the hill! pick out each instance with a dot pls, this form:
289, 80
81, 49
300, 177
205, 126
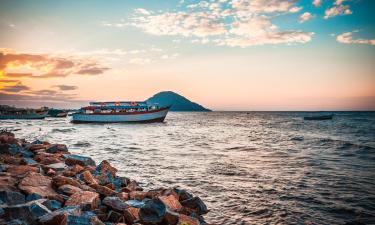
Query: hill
178, 102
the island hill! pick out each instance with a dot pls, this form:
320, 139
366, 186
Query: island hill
178, 102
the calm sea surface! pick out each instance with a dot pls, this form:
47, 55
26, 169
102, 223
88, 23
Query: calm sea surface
249, 168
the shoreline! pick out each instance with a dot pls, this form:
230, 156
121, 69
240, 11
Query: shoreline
43, 183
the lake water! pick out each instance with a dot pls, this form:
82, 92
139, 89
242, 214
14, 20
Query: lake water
249, 168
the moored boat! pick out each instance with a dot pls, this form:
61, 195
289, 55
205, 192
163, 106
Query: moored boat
9, 113
57, 113
120, 112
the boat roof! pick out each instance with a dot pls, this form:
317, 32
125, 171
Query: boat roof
119, 103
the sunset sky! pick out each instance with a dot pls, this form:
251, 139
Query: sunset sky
224, 54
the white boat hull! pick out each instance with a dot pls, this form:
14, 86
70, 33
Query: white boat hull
143, 117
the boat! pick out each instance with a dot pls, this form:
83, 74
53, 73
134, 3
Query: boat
120, 112
12, 113
319, 117
57, 113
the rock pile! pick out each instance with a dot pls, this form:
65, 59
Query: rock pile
42, 183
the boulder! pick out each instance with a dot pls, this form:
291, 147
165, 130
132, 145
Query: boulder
105, 167
137, 195
58, 181
135, 203
171, 202
123, 196
47, 158
34, 147
29, 161
195, 203
7, 183
183, 194
12, 197
60, 216
133, 186
60, 166
28, 212
33, 197
87, 177
71, 160
56, 148
68, 189
22, 170
131, 214
103, 191
52, 205
152, 212
105, 178
171, 217
12, 160
87, 200
115, 217
184, 220
38, 184
115, 203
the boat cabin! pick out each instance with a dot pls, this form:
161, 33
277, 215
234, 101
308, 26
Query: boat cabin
118, 107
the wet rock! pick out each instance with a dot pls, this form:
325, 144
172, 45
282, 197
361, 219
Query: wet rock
115, 217
21, 171
105, 167
52, 205
115, 203
133, 186
47, 158
56, 148
105, 178
29, 161
87, 177
61, 180
12, 197
34, 147
33, 197
195, 203
12, 160
16, 222
184, 219
7, 183
11, 149
38, 184
68, 189
103, 191
183, 194
60, 216
135, 203
137, 195
123, 196
171, 202
28, 212
152, 212
51, 172
171, 217
87, 200
60, 166
131, 215
77, 159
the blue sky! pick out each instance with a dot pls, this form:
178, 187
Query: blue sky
268, 54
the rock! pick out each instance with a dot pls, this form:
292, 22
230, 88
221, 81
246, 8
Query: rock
131, 215
33, 197
133, 186
7, 183
123, 196
47, 158
29, 161
115, 203
13, 160
28, 212
87, 177
115, 217
187, 220
16, 222
87, 200
21, 171
77, 159
152, 212
68, 189
171, 217
137, 195
171, 202
183, 194
51, 172
104, 191
56, 148
60, 166
12, 197
34, 147
135, 203
11, 149
38, 184
60, 216
105, 178
197, 204
61, 180
105, 167
52, 205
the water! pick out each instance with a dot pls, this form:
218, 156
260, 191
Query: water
249, 168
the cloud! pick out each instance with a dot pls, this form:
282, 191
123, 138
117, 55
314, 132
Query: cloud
139, 61
34, 65
347, 38
18, 87
305, 17
337, 9
317, 3
233, 23
142, 11
63, 87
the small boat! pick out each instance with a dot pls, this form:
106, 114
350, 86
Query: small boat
120, 112
57, 113
319, 117
12, 113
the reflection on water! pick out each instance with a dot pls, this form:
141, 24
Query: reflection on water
250, 168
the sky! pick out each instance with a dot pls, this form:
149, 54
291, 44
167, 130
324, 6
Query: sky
223, 54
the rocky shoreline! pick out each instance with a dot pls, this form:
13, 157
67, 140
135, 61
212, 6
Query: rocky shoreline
42, 183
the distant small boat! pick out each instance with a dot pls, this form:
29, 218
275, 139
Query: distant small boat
120, 112
319, 117
12, 113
